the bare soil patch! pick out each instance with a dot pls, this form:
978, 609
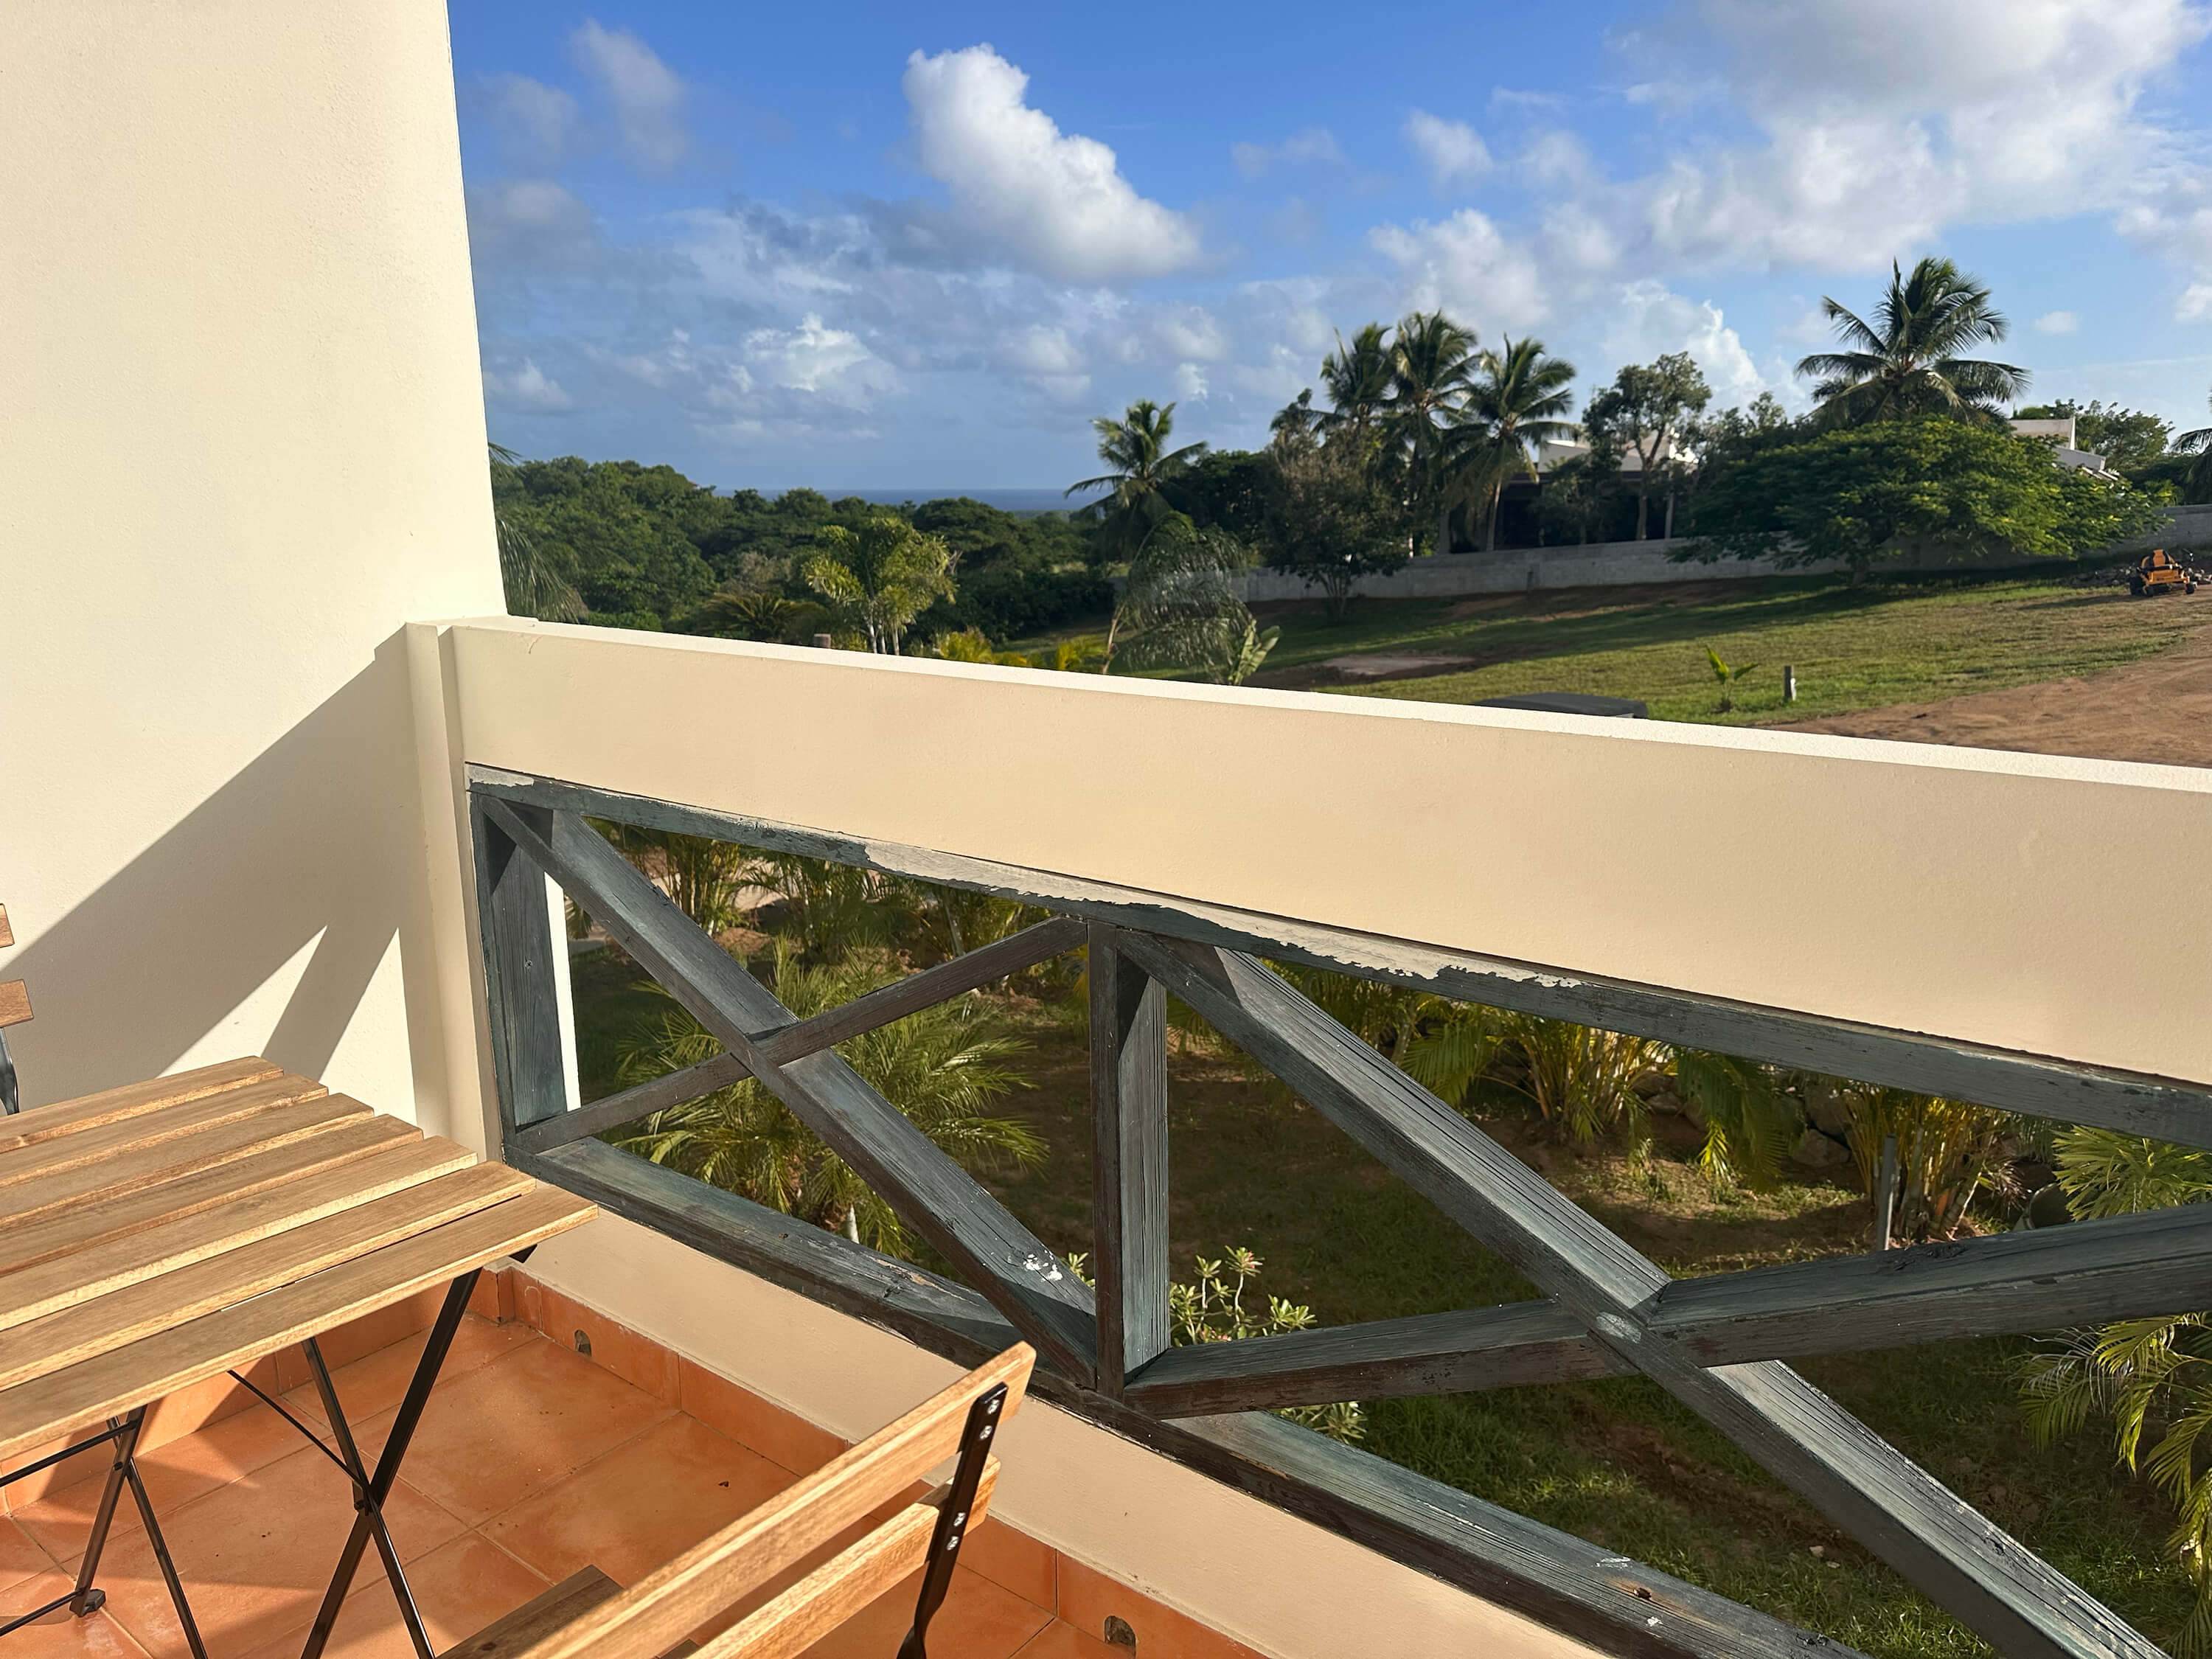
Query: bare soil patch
2159, 710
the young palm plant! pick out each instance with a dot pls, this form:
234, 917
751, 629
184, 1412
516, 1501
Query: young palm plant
1908, 360
945, 1067
2151, 1378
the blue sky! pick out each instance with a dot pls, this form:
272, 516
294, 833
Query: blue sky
859, 245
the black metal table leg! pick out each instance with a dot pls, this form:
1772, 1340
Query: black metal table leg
370, 1491
952, 1517
84, 1597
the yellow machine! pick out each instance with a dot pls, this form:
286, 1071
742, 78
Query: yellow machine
2157, 573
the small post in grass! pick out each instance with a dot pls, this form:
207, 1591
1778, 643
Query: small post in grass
1789, 684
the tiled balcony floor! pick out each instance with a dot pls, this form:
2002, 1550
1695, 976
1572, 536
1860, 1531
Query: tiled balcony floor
530, 1462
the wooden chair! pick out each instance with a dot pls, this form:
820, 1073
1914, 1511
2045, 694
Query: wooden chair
585, 1617
14, 1009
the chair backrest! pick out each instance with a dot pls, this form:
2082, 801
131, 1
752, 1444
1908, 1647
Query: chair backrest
661, 1610
14, 1009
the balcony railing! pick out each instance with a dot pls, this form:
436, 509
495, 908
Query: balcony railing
1717, 1344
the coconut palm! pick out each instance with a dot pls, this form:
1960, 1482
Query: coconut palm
1357, 378
944, 1067
1908, 360
1431, 361
534, 584
2199, 444
1181, 610
1515, 398
1136, 449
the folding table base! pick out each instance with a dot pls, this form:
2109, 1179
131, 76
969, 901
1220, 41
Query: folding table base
84, 1600
370, 1491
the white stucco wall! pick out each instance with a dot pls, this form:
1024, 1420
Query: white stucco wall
243, 444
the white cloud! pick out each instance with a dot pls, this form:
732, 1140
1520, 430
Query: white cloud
1465, 264
2195, 304
535, 125
1190, 383
1452, 151
1647, 318
831, 362
526, 389
530, 223
2058, 322
1313, 144
1056, 202
645, 95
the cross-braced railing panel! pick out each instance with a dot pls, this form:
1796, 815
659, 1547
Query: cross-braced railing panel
1716, 1343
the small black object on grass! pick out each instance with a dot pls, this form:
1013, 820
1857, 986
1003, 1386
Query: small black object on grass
1573, 703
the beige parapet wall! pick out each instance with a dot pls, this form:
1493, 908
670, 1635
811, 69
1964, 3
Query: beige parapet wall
2025, 902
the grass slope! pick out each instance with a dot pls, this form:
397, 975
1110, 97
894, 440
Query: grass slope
1862, 648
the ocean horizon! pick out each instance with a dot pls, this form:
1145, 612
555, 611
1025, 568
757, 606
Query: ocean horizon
1006, 501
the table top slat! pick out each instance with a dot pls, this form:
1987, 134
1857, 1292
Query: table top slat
96, 1221
148, 1253
36, 1413
69, 1151
145, 1308
131, 1100
29, 1202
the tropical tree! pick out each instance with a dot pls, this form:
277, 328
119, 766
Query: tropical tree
1141, 465
1181, 612
945, 1067
880, 577
2150, 1378
1908, 490
1517, 397
2199, 444
2128, 439
1644, 413
1908, 360
529, 573
1432, 362
1357, 379
1331, 520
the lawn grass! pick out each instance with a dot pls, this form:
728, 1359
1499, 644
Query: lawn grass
1908, 640
1619, 1462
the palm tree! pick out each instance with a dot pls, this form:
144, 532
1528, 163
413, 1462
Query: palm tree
2199, 444
1907, 362
534, 584
1357, 378
945, 1067
1136, 449
1431, 361
1515, 398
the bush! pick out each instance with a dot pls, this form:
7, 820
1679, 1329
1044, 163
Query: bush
1009, 600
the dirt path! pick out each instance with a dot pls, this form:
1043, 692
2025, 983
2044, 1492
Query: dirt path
2159, 710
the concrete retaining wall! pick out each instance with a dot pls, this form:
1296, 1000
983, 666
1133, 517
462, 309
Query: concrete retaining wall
1616, 564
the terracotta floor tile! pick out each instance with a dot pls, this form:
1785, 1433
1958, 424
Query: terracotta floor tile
378, 1382
779, 1435
1087, 1596
459, 1588
978, 1620
61, 1634
255, 1555
21, 1557
639, 1505
1014, 1561
511, 1428
1059, 1641
175, 1475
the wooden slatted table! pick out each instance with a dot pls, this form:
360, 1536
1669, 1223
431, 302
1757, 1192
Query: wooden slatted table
171, 1230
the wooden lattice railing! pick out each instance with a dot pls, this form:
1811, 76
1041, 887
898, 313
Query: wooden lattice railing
1717, 1344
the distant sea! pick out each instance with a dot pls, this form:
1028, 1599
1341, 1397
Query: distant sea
1006, 501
